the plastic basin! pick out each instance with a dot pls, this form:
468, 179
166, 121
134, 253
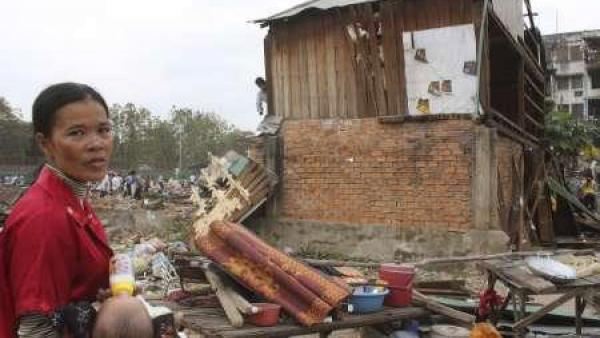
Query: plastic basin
366, 299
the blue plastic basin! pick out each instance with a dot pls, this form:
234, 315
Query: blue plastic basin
366, 299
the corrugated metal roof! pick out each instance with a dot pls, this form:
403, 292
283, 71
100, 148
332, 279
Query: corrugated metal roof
313, 4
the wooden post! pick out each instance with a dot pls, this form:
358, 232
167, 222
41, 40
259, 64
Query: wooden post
580, 304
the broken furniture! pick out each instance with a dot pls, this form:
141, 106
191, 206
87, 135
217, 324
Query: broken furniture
523, 283
238, 186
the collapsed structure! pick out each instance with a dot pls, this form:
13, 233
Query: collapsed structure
393, 142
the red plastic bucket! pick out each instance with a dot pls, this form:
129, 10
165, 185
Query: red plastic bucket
268, 314
398, 297
399, 279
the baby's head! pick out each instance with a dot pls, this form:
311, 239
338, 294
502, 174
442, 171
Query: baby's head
123, 317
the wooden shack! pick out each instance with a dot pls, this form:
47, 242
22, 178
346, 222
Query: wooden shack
394, 137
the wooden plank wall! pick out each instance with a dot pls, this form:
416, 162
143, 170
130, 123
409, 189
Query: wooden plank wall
317, 70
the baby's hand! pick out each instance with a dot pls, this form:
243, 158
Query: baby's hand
103, 294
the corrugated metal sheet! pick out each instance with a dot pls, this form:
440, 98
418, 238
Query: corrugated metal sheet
313, 4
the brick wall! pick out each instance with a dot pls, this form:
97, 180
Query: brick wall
413, 174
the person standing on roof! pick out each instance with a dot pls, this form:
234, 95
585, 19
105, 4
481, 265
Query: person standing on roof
270, 123
261, 96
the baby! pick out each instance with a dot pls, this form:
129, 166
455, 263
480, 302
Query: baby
132, 317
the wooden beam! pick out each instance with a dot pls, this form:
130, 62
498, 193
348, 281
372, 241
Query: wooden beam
512, 134
534, 104
446, 260
530, 13
523, 323
531, 64
536, 123
534, 85
516, 128
225, 296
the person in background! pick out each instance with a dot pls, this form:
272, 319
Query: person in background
105, 186
135, 185
261, 96
587, 193
54, 254
117, 181
270, 124
128, 184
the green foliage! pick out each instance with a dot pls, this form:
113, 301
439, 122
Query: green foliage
16, 141
570, 137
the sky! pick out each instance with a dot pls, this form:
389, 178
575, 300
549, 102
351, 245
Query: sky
202, 54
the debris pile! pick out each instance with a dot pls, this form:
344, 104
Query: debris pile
234, 187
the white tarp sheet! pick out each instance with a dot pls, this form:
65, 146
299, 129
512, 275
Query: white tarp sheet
440, 67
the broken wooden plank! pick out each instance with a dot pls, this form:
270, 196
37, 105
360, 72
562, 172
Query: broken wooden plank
226, 297
450, 259
524, 277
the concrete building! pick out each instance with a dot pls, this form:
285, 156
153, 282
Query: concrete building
574, 65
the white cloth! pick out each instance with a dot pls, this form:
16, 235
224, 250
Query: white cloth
269, 125
105, 184
261, 102
116, 182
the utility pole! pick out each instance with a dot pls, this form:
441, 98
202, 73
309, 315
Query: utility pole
180, 149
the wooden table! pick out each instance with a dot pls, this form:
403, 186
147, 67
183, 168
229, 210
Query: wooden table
522, 284
211, 322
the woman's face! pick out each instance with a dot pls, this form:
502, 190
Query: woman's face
80, 143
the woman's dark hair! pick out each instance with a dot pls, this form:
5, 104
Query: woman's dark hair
57, 96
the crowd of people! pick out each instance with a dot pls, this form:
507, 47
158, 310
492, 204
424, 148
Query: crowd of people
134, 185
13, 180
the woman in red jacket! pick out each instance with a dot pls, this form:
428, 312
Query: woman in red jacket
53, 250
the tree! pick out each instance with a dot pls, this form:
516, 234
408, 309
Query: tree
16, 137
140, 139
570, 137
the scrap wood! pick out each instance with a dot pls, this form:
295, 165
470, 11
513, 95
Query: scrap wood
347, 271
226, 297
443, 287
248, 186
439, 308
545, 310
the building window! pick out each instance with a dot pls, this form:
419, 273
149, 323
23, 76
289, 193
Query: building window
562, 53
562, 83
595, 77
577, 82
576, 53
578, 93
577, 110
562, 107
594, 108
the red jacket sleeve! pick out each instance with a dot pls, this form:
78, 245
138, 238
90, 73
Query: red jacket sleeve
43, 252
